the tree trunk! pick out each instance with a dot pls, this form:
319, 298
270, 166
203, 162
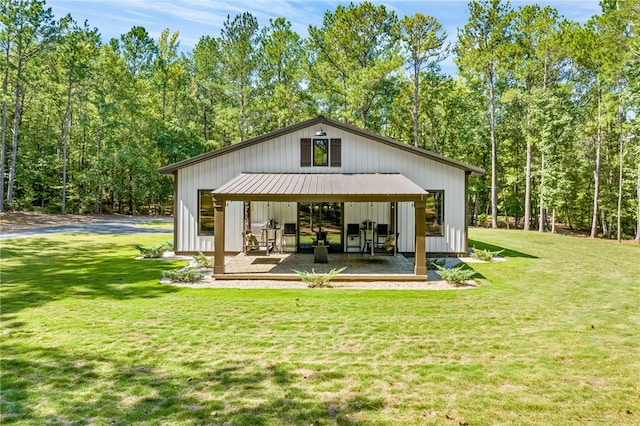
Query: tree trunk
606, 232
596, 172
541, 213
619, 231
638, 208
3, 153
416, 88
527, 184
494, 153
14, 143
553, 221
66, 129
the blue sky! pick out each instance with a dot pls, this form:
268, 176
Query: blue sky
196, 18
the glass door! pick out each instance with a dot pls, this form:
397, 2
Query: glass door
320, 220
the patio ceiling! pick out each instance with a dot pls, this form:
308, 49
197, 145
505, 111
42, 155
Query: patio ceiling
307, 187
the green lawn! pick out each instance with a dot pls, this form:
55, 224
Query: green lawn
89, 336
156, 224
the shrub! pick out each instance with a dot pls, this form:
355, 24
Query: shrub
457, 275
154, 252
203, 261
485, 255
184, 275
318, 280
434, 263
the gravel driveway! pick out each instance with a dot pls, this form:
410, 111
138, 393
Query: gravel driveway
124, 225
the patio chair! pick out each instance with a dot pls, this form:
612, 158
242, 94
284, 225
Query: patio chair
353, 236
382, 231
321, 238
289, 235
391, 243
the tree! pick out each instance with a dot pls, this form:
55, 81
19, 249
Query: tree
422, 38
280, 75
165, 64
534, 63
239, 60
352, 57
599, 50
138, 50
29, 28
480, 46
78, 49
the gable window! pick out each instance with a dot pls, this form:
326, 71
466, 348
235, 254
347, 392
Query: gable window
320, 152
434, 213
205, 213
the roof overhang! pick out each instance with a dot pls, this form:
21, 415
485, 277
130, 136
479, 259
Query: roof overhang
308, 187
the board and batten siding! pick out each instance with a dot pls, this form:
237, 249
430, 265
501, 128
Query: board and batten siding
282, 155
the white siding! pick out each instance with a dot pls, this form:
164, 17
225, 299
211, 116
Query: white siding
359, 155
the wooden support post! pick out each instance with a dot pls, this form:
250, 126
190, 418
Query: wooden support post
218, 260
420, 265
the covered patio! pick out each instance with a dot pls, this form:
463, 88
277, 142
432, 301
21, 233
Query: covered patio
323, 187
281, 266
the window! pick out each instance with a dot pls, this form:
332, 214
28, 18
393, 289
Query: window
434, 213
320, 152
205, 212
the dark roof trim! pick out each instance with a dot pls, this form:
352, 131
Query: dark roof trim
315, 121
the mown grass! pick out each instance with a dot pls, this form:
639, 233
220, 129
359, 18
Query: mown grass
156, 224
89, 336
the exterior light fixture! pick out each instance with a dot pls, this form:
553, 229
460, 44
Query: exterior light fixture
321, 132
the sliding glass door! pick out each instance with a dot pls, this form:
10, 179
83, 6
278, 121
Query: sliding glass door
316, 219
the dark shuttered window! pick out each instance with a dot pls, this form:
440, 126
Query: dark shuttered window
335, 153
305, 152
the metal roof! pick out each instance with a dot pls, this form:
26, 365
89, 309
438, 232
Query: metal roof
320, 187
323, 120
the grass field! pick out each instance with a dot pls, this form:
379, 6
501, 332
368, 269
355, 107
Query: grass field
89, 336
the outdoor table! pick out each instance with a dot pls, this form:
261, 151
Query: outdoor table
320, 253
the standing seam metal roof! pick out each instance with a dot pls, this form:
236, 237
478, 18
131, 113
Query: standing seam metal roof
333, 186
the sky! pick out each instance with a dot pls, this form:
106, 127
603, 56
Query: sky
194, 19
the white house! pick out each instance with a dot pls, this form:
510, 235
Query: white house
321, 182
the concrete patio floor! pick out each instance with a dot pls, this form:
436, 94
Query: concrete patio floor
360, 267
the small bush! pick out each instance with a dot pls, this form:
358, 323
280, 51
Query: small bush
154, 252
184, 276
434, 263
456, 275
484, 255
203, 261
315, 279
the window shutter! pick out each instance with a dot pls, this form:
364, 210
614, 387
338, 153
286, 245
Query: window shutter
305, 152
335, 154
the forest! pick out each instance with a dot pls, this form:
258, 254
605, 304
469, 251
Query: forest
547, 106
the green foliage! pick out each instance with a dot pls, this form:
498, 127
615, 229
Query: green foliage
434, 263
203, 261
154, 251
562, 91
484, 255
188, 275
458, 275
315, 279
